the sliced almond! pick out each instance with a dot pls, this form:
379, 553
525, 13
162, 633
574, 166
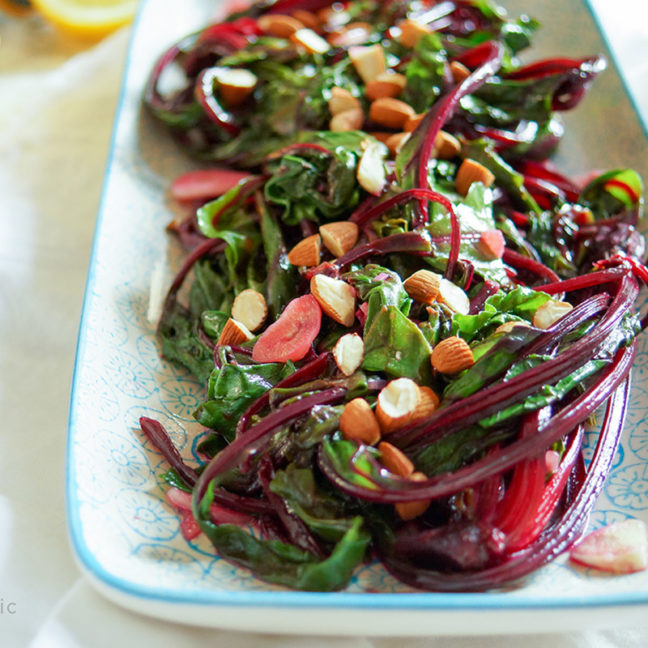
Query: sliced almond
507, 327
357, 33
451, 356
410, 510
307, 19
371, 169
453, 297
307, 252
348, 120
234, 333
388, 84
549, 313
411, 32
358, 422
396, 404
459, 71
447, 146
390, 112
423, 286
235, 85
342, 100
349, 353
336, 297
396, 142
471, 171
412, 122
279, 25
311, 41
250, 309
395, 460
369, 61
339, 237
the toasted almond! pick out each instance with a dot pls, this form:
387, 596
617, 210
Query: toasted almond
447, 146
311, 41
235, 84
396, 142
423, 286
453, 297
471, 171
459, 71
358, 422
234, 333
396, 404
412, 122
410, 510
279, 25
452, 355
307, 252
342, 100
395, 460
336, 297
369, 61
348, 353
507, 327
339, 237
371, 169
350, 35
390, 112
250, 309
387, 84
411, 32
307, 19
348, 120
549, 313
429, 401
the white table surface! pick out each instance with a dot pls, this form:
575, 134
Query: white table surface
57, 102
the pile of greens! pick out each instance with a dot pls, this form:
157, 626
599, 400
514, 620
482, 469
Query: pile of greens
283, 492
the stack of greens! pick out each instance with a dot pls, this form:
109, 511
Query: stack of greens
403, 315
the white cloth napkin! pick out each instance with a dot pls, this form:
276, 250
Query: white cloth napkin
57, 101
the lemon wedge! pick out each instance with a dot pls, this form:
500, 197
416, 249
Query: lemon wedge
87, 18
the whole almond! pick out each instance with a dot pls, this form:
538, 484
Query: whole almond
342, 100
395, 460
396, 142
234, 333
507, 327
347, 120
453, 297
371, 169
471, 171
369, 61
429, 401
307, 252
410, 510
250, 309
348, 353
339, 237
390, 112
412, 122
358, 422
459, 71
387, 84
235, 85
447, 146
336, 297
279, 25
451, 356
549, 313
412, 32
307, 19
396, 404
423, 286
311, 41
